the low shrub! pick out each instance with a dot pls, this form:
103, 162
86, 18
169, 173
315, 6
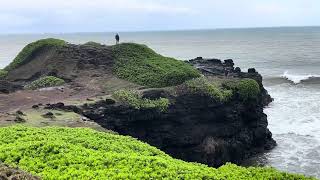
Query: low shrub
81, 153
47, 81
248, 89
140, 64
28, 50
202, 85
133, 99
3, 74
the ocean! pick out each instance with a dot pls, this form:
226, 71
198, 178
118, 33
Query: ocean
288, 59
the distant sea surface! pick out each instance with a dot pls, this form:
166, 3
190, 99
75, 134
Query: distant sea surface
288, 58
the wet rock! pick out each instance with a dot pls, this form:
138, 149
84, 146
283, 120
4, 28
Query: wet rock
35, 107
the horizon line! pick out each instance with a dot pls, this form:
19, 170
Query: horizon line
163, 30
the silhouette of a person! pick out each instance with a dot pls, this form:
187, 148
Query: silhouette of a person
117, 38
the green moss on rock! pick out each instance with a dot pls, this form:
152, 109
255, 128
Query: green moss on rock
31, 48
133, 99
203, 86
80, 153
140, 64
248, 89
92, 43
47, 81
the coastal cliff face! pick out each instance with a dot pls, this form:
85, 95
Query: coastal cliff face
195, 127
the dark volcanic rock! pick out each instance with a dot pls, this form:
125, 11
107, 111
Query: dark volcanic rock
48, 115
195, 127
216, 68
19, 119
8, 173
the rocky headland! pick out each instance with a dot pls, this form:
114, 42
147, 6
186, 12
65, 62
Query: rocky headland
200, 110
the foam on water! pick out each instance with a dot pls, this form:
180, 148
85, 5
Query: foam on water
296, 79
294, 120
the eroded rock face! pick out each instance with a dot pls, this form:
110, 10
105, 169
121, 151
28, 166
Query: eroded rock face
8, 87
68, 62
195, 127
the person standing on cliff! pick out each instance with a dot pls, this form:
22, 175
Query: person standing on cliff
117, 38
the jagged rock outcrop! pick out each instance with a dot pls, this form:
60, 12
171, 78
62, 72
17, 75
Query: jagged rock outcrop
215, 67
8, 173
195, 127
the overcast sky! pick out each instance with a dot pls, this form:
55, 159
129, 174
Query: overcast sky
40, 16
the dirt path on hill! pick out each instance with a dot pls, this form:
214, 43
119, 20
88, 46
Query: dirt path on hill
22, 100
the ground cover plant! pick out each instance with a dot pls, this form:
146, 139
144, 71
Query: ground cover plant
246, 88
80, 153
3, 74
135, 100
140, 64
46, 81
31, 48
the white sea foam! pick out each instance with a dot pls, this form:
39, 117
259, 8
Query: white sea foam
296, 79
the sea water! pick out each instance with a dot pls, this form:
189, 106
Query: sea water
288, 59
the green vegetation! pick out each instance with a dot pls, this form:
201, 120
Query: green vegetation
47, 81
3, 74
140, 64
92, 43
80, 153
133, 99
202, 85
31, 48
248, 89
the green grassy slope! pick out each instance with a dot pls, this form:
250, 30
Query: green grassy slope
140, 64
3, 74
28, 50
66, 153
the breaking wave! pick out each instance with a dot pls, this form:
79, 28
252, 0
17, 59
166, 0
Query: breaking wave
297, 79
